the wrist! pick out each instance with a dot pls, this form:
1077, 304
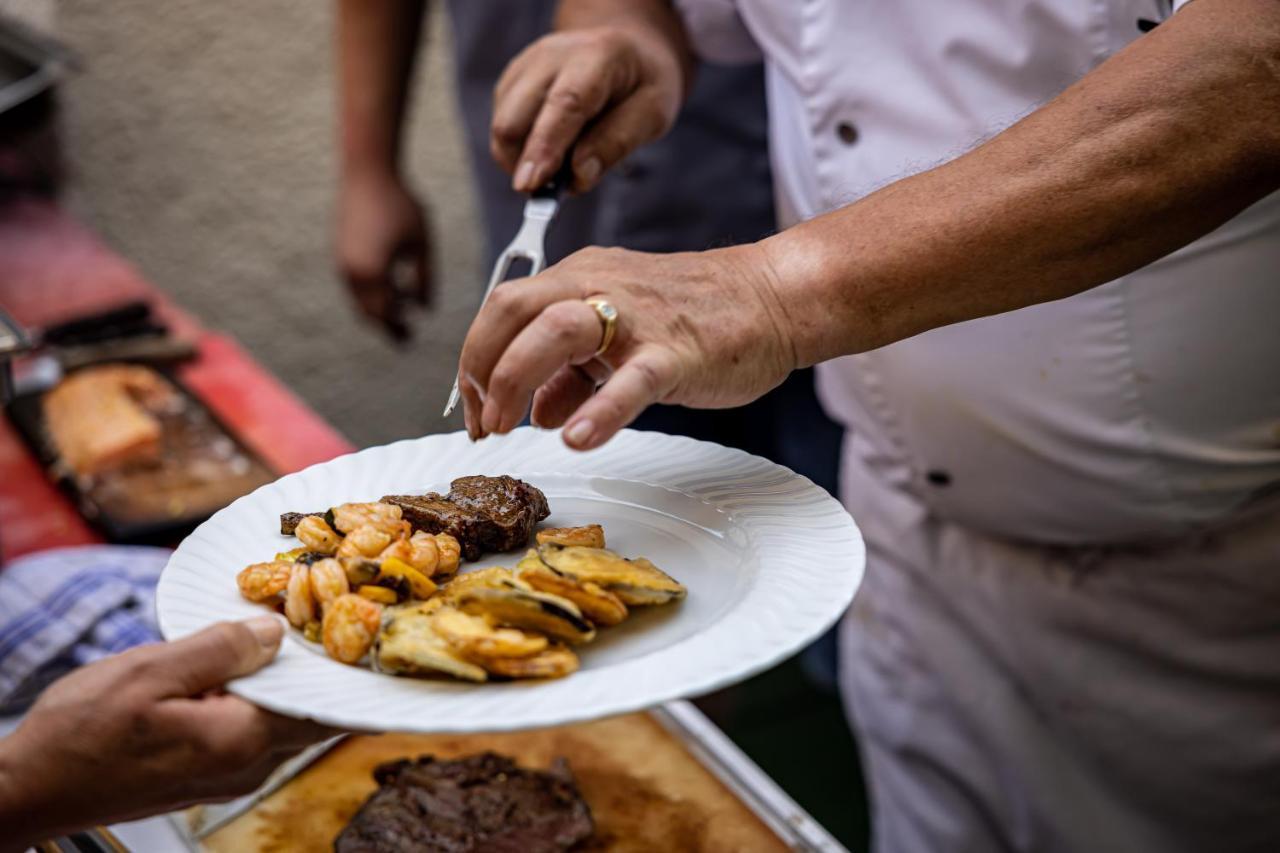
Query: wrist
363, 169
752, 268
788, 269
828, 290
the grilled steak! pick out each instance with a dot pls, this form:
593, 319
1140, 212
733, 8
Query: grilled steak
289, 521
482, 513
484, 802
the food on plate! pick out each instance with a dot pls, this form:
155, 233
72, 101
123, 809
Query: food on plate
350, 625
589, 535
554, 662
596, 603
364, 541
328, 581
299, 603
379, 582
485, 514
481, 802
385, 517
408, 644
636, 581
378, 594
396, 570
450, 552
492, 577
289, 521
104, 418
316, 535
516, 604
480, 640
263, 582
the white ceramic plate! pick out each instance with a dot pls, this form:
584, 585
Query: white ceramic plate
769, 559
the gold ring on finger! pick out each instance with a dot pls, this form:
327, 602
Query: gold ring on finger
608, 322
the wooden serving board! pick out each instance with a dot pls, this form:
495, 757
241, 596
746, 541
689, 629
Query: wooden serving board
645, 789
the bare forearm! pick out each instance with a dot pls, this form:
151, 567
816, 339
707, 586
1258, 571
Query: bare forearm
377, 45
23, 820
1158, 146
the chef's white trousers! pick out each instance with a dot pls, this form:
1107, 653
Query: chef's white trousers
1016, 697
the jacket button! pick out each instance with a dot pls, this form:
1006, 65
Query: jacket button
847, 132
938, 478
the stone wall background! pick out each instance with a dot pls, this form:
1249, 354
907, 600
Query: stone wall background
200, 142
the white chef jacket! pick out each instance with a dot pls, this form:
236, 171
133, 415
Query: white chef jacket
1143, 409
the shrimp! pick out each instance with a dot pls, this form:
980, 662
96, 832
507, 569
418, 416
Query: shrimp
450, 553
350, 625
299, 603
317, 535
263, 582
422, 552
328, 581
366, 541
385, 517
400, 549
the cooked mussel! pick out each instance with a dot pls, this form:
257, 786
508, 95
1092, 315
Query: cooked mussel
635, 582
588, 536
596, 603
491, 577
409, 645
518, 605
478, 640
554, 662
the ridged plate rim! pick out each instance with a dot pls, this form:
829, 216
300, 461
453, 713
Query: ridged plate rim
811, 549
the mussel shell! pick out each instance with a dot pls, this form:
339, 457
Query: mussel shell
491, 577
554, 662
589, 535
527, 608
596, 603
409, 645
474, 638
636, 581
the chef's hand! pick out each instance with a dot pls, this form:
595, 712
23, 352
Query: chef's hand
608, 89
700, 329
145, 732
384, 253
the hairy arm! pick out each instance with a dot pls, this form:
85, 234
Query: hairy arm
1158, 146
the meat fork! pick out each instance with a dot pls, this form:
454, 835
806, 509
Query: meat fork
529, 243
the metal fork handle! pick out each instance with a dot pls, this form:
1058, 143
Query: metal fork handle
528, 244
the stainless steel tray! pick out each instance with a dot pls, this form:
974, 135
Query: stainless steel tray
744, 777
710, 746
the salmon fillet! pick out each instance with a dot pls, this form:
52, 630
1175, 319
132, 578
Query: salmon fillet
102, 418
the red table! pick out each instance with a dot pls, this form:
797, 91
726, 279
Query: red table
52, 267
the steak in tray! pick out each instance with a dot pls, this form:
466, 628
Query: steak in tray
481, 802
485, 514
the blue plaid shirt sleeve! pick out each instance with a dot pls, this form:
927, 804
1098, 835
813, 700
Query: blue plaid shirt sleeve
63, 608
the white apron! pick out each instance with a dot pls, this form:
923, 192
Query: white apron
1004, 702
